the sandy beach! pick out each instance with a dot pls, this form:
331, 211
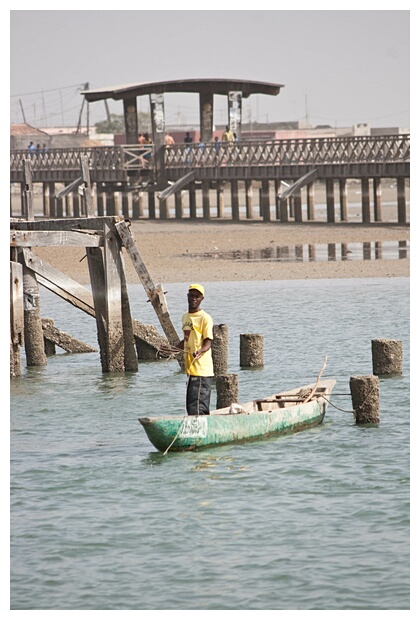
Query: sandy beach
183, 251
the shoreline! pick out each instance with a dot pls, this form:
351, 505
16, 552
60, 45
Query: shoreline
183, 251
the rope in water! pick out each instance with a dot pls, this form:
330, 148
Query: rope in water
354, 411
185, 416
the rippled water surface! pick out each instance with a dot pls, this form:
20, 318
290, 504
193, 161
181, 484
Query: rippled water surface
314, 520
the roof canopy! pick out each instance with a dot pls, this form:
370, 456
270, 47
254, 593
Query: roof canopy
208, 86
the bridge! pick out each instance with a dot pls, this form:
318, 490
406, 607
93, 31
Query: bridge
163, 171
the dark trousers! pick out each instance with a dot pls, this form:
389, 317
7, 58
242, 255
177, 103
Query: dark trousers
198, 395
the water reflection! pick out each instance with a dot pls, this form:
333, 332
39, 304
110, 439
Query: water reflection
378, 250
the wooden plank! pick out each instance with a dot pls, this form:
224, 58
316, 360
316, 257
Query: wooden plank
58, 283
176, 187
131, 362
97, 279
115, 332
86, 190
80, 297
304, 180
28, 238
154, 293
63, 340
82, 223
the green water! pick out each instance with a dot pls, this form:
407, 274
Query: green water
317, 520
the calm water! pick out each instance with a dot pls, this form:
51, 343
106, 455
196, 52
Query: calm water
318, 520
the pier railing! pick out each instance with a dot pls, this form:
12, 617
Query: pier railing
311, 151
115, 162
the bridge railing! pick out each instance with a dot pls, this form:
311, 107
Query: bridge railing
309, 151
128, 157
313, 151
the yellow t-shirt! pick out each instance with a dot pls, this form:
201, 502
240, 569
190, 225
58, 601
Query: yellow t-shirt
196, 327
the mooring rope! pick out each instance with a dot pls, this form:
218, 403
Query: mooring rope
186, 414
176, 436
359, 408
335, 407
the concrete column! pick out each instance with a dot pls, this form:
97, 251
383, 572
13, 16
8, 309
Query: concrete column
51, 198
365, 201
163, 209
227, 390
220, 349
34, 336
387, 357
205, 188
402, 206
220, 201
365, 399
178, 206
248, 199
151, 205
298, 206
234, 200
284, 212
344, 214
265, 200
251, 349
193, 202
330, 201
377, 200
310, 201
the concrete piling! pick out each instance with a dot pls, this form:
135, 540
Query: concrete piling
34, 338
386, 357
365, 399
227, 390
219, 349
251, 350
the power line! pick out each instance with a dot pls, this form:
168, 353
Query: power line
51, 90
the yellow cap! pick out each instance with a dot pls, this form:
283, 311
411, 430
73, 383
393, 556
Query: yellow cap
197, 287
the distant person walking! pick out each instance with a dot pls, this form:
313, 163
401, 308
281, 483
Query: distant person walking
228, 135
188, 138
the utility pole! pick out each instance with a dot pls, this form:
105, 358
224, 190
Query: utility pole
87, 112
23, 112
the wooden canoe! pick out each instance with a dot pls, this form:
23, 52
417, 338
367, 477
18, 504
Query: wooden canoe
277, 414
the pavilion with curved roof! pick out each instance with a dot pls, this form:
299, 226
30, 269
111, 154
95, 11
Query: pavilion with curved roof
235, 90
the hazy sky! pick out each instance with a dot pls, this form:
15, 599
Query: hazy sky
338, 67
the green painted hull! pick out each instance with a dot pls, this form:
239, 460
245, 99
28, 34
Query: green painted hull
180, 433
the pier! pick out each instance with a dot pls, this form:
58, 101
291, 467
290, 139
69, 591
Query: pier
126, 182
156, 181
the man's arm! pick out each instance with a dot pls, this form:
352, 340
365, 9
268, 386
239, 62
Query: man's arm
206, 346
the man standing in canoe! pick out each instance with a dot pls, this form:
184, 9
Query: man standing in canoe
197, 326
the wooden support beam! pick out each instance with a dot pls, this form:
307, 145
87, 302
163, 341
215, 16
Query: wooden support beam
146, 336
113, 269
97, 279
176, 187
86, 190
82, 223
154, 293
64, 341
44, 238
